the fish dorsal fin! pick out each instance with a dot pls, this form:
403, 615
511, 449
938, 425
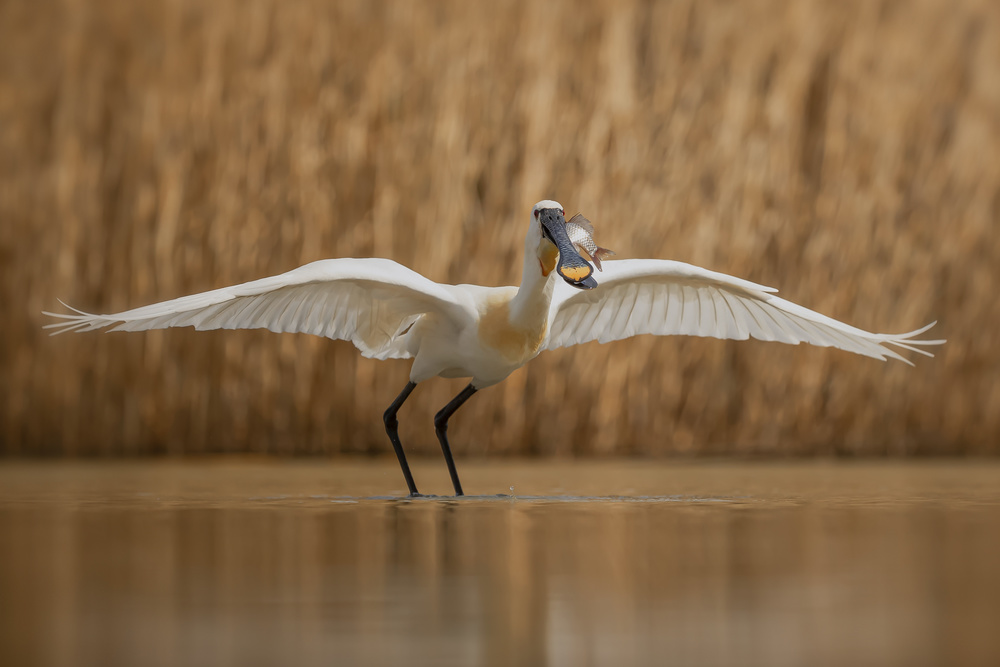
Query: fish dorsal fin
578, 219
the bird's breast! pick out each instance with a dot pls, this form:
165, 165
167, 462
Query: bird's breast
515, 343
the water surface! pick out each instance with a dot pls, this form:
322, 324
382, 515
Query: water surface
313, 562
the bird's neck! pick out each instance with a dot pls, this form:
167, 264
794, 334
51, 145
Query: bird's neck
530, 306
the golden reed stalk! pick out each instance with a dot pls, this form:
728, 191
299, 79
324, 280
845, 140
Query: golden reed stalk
846, 153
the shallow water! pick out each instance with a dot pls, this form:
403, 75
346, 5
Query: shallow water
310, 562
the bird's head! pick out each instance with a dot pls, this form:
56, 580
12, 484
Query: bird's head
554, 248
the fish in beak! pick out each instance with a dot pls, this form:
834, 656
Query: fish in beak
572, 268
581, 233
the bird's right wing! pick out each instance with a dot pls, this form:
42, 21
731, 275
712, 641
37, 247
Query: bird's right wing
370, 302
665, 298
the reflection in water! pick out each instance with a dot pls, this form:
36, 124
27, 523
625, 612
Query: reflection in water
264, 564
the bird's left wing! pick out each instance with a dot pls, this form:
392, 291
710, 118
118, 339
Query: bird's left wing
664, 297
370, 302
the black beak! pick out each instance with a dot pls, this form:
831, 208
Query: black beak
572, 268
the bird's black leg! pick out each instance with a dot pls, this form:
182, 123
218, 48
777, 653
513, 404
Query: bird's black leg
441, 427
391, 426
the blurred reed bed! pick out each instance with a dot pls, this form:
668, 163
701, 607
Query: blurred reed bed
846, 153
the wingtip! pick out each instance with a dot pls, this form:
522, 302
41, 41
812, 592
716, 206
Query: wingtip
75, 310
75, 321
917, 332
906, 340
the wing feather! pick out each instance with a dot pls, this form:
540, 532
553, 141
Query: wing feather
641, 307
690, 318
624, 312
675, 307
370, 302
664, 297
728, 325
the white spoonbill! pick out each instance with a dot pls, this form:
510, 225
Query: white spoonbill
486, 333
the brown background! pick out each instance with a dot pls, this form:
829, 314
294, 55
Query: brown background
845, 152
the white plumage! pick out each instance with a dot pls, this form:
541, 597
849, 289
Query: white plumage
665, 298
366, 301
391, 312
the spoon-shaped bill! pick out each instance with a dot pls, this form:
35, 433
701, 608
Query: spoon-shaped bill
572, 268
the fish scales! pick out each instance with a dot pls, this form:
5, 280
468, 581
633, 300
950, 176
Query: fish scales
581, 233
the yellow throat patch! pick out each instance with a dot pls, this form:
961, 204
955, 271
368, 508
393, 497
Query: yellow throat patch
547, 254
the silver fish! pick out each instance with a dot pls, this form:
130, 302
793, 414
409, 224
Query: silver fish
581, 233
